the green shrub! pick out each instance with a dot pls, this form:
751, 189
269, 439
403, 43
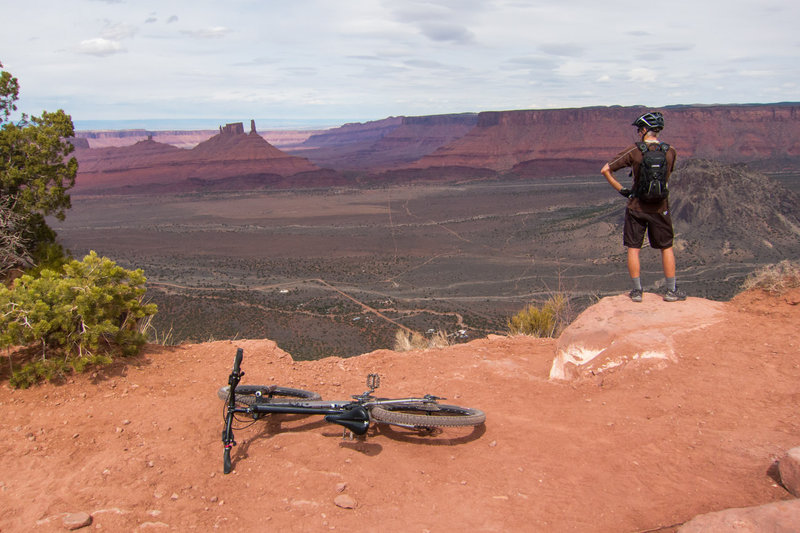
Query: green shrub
546, 320
79, 318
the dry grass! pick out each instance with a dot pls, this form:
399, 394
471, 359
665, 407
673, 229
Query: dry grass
775, 279
405, 341
154, 336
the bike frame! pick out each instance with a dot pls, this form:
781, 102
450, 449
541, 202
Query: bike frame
352, 415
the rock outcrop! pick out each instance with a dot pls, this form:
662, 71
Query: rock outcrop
617, 333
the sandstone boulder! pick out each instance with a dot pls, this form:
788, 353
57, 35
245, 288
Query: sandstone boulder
617, 332
777, 517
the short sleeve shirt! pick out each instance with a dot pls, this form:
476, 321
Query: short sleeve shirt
631, 157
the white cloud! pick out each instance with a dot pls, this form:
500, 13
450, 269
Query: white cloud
642, 75
116, 31
215, 32
100, 47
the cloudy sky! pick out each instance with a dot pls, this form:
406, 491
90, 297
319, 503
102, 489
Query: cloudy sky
370, 59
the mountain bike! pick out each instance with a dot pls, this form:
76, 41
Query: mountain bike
355, 415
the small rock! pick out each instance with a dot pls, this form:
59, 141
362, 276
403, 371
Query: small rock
157, 525
789, 468
77, 520
340, 487
174, 496
344, 501
493, 443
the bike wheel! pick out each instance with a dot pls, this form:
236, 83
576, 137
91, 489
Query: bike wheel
427, 415
252, 394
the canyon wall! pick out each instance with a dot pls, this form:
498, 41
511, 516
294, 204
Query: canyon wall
580, 138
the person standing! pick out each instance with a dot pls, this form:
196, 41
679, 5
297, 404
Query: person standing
645, 214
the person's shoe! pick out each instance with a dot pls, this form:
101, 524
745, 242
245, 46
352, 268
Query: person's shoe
636, 295
675, 296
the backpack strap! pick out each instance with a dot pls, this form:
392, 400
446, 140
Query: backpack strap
642, 146
664, 147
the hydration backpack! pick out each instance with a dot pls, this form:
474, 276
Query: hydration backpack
653, 173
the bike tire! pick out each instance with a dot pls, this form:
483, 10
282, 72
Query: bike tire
246, 394
427, 415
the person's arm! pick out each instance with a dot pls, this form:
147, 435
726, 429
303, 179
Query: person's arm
606, 171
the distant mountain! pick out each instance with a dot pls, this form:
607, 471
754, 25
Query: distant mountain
734, 212
152, 165
384, 144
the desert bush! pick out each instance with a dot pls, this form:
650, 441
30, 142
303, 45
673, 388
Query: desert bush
775, 279
77, 318
545, 320
405, 341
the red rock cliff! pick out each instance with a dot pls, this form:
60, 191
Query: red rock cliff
502, 140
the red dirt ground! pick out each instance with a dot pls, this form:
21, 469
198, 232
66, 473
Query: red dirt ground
137, 446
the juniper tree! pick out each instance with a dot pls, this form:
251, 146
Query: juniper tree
36, 171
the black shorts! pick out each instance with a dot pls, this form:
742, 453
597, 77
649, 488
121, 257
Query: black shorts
658, 227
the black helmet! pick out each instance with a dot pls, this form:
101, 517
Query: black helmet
650, 121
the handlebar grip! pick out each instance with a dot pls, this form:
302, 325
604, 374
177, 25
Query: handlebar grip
237, 362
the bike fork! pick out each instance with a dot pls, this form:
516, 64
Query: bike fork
227, 433
228, 442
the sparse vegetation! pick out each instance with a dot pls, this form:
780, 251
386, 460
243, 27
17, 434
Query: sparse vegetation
77, 318
545, 320
775, 279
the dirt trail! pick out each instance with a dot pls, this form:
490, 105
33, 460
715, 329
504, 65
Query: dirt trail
138, 447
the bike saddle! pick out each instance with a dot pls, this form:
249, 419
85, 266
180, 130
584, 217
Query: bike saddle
356, 419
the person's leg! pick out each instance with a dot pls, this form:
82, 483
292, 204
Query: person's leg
634, 271
632, 238
661, 235
673, 294
668, 262
634, 265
